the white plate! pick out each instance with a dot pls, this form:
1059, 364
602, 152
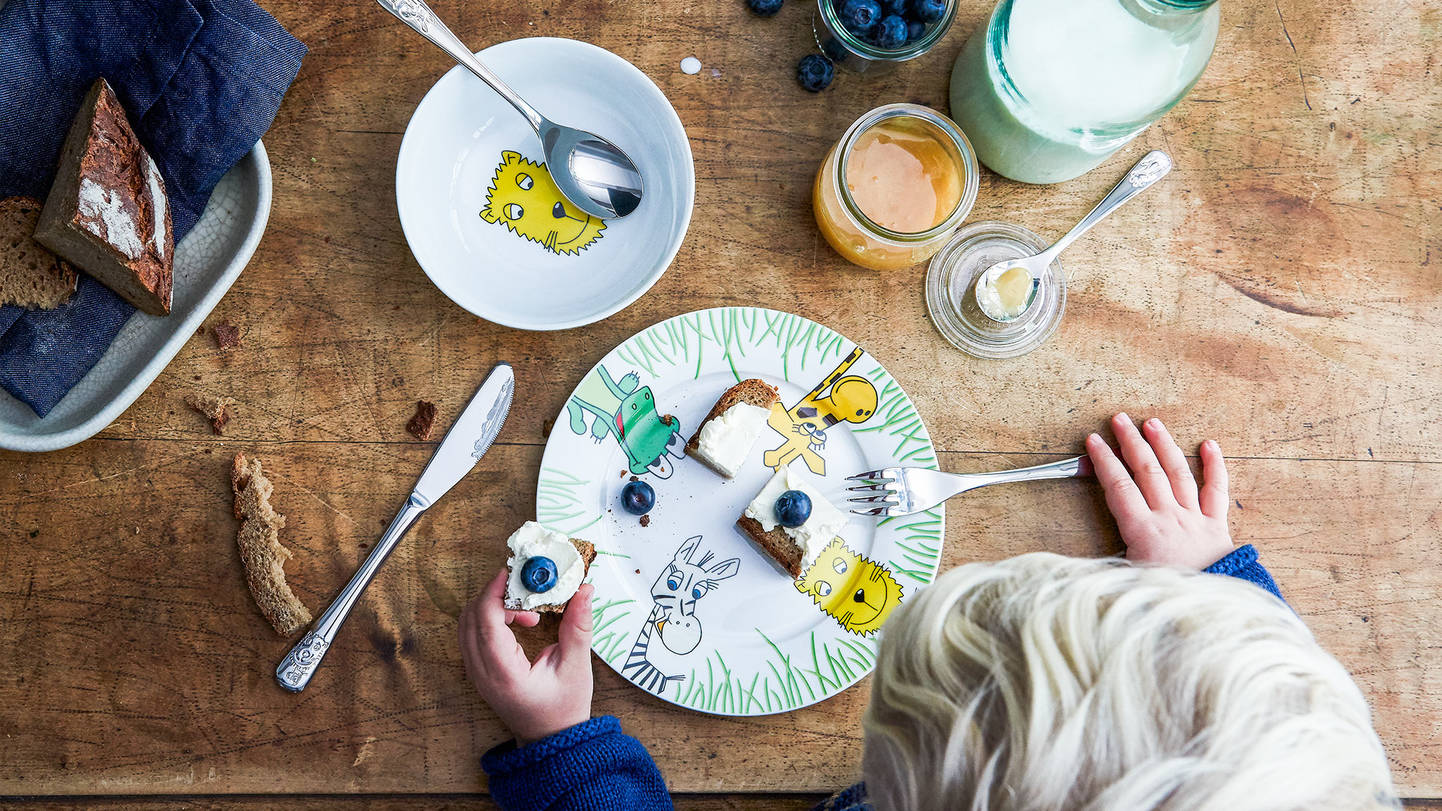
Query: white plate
466, 150
756, 642
207, 262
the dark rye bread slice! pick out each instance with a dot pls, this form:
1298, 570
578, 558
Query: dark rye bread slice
787, 553
30, 275
107, 212
260, 550
587, 551
751, 392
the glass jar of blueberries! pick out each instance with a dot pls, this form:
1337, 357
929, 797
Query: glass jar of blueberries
871, 36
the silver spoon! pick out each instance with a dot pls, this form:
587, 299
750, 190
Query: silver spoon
593, 173
1147, 171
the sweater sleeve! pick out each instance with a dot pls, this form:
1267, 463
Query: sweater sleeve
1242, 564
592, 766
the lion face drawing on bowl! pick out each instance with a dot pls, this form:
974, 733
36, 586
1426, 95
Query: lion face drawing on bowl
524, 199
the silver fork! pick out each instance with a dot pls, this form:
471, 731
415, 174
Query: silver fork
906, 490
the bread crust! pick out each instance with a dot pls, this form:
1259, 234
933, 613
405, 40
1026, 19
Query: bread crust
586, 550
261, 552
752, 391
779, 546
122, 233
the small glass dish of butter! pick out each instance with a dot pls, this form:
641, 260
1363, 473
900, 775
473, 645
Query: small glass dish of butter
951, 291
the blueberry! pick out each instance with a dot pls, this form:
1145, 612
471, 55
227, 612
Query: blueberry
897, 7
914, 30
764, 8
891, 33
793, 507
814, 72
928, 11
637, 498
539, 574
860, 16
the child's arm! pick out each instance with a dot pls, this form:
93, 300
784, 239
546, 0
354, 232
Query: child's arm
1162, 515
561, 758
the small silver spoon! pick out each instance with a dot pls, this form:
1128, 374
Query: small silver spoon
593, 173
1147, 171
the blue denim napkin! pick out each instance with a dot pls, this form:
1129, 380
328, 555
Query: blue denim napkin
201, 81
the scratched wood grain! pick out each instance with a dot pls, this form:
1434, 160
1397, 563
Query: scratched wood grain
1277, 292
139, 664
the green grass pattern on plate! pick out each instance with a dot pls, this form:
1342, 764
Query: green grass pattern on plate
920, 547
727, 331
558, 502
784, 682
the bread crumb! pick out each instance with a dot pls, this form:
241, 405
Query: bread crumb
646, 520
423, 421
261, 552
216, 409
227, 335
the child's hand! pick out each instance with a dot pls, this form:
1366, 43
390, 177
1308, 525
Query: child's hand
532, 700
1162, 517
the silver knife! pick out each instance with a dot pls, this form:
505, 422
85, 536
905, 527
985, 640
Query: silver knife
468, 440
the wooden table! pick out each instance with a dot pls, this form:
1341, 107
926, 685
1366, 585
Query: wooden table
1280, 292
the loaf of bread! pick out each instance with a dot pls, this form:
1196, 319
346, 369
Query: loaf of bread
260, 550
30, 275
107, 212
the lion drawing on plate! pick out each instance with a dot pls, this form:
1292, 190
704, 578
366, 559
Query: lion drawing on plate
524, 199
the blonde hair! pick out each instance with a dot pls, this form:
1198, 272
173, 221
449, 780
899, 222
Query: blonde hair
1045, 682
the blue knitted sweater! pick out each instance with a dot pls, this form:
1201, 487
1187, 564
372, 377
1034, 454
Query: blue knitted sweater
593, 766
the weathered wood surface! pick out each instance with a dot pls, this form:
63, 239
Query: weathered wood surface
1278, 292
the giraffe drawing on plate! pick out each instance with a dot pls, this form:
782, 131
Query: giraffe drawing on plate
673, 619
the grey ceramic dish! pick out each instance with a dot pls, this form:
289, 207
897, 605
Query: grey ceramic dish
207, 262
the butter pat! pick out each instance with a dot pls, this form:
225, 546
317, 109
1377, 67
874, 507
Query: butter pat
818, 531
726, 440
533, 540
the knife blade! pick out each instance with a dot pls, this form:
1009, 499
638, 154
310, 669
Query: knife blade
468, 439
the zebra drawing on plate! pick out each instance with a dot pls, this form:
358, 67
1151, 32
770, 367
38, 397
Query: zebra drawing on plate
673, 619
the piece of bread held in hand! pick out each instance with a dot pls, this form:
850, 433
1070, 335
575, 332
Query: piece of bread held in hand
30, 275
725, 438
544, 568
261, 552
107, 212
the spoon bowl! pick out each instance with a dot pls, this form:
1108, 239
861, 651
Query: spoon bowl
598, 177
590, 171
1147, 171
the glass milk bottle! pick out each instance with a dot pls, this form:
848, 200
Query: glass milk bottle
1047, 89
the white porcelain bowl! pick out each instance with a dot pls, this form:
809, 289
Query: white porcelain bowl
529, 264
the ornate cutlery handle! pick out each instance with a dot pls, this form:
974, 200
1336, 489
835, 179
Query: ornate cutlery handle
419, 16
296, 669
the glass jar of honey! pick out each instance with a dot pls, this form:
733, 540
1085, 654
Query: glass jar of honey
894, 188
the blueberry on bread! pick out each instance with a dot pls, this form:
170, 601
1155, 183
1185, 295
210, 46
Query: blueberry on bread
30, 275
107, 212
725, 438
791, 521
544, 568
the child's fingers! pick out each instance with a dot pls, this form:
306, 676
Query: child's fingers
496, 646
1214, 499
525, 619
1146, 470
1174, 462
574, 636
1123, 498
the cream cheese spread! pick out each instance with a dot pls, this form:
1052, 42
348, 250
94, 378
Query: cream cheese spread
533, 540
726, 440
818, 531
